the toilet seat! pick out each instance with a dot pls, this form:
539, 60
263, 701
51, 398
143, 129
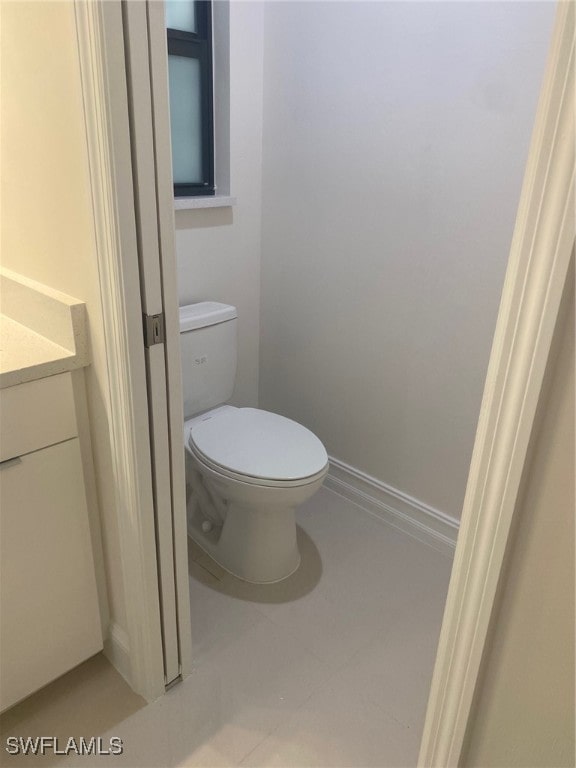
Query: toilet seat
258, 447
254, 481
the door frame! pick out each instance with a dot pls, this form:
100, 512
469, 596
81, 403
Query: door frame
135, 650
540, 254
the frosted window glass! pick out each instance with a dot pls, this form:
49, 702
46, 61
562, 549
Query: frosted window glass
180, 15
185, 119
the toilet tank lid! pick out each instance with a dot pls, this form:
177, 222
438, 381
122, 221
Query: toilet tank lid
205, 313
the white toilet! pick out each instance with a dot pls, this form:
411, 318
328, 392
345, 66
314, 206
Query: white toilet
246, 469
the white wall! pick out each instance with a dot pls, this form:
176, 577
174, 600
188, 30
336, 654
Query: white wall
218, 250
525, 713
395, 137
46, 224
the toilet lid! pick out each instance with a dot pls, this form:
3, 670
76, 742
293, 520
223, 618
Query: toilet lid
260, 444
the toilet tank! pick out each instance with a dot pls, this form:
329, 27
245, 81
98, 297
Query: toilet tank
209, 346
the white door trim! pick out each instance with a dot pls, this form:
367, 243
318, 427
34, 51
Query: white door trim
540, 253
101, 53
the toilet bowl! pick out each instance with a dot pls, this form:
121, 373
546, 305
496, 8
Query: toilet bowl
248, 470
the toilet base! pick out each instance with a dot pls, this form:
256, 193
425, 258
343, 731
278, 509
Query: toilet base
254, 544
249, 529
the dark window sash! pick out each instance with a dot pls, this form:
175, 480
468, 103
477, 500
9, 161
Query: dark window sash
199, 46
193, 190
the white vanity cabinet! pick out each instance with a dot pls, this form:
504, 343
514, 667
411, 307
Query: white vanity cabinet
49, 614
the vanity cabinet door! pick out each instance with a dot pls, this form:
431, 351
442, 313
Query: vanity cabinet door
49, 617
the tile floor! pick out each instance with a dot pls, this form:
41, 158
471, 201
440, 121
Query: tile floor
328, 668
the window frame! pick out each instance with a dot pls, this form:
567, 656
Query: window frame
198, 45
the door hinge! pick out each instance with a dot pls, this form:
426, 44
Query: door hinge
153, 329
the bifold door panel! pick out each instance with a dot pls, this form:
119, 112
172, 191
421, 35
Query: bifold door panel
154, 219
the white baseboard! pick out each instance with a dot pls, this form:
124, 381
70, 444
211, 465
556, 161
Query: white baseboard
117, 650
405, 513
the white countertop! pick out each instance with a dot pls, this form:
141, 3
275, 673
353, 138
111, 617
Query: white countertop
26, 355
42, 331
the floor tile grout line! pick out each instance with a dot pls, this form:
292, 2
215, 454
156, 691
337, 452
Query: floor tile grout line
286, 720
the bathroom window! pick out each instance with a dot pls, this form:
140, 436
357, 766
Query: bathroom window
189, 30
